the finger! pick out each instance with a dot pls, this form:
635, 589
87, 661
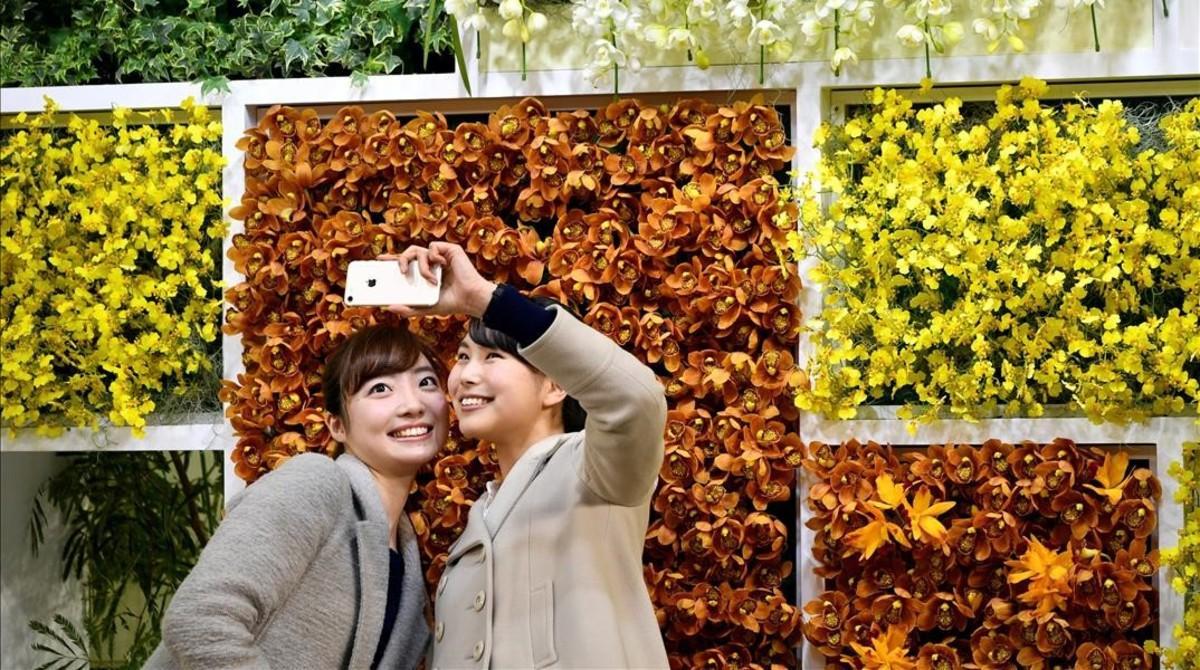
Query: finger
438, 258
388, 257
446, 249
402, 310
425, 268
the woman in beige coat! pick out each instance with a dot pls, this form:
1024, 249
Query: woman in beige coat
549, 570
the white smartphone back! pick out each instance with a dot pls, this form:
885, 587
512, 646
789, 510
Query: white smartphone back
381, 283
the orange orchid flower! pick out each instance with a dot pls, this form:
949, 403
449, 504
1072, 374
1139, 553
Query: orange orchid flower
1112, 476
887, 651
875, 534
923, 515
1049, 574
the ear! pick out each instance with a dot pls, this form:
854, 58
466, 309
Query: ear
337, 427
552, 393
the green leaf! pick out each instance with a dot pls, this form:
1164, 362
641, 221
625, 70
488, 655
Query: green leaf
359, 79
458, 54
381, 32
214, 84
294, 51
430, 16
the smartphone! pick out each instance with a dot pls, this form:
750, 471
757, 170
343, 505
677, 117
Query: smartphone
375, 283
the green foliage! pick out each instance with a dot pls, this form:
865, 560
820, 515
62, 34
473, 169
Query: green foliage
63, 642
56, 42
135, 524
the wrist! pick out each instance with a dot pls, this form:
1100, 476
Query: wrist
480, 298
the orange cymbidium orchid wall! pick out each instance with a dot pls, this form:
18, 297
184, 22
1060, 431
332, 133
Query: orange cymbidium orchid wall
663, 226
962, 556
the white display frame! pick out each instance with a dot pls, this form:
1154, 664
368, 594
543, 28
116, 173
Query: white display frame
1173, 60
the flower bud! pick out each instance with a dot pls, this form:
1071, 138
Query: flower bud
537, 22
511, 9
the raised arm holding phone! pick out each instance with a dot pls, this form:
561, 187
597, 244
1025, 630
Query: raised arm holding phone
548, 572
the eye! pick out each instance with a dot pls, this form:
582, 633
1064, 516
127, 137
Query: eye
460, 356
495, 354
429, 382
377, 387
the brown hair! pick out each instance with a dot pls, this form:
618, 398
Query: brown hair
371, 352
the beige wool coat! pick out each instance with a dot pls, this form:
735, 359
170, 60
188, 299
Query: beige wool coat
551, 575
296, 578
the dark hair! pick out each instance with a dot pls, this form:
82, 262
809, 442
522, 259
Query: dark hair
371, 352
573, 414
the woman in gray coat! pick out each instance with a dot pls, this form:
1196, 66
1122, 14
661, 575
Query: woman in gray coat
316, 565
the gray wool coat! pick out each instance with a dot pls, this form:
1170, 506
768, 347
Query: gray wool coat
296, 577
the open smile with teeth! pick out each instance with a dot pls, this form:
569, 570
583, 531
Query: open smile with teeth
409, 433
473, 402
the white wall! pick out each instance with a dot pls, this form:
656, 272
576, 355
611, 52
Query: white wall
30, 588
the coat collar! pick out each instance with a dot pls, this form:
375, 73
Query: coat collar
519, 478
371, 546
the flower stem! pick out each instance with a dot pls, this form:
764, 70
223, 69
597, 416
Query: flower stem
1095, 31
522, 61
1166, 14
928, 38
687, 25
837, 23
612, 37
762, 68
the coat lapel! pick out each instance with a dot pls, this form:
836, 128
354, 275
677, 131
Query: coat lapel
371, 548
518, 480
408, 644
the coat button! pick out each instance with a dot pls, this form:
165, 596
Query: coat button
477, 652
480, 599
439, 630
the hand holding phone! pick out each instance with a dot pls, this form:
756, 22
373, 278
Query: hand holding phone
464, 291
390, 282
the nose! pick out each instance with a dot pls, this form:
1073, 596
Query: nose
408, 402
468, 372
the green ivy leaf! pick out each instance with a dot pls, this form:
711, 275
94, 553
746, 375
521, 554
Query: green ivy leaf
381, 32
359, 79
294, 51
216, 84
302, 10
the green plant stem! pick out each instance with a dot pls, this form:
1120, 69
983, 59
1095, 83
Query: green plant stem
185, 483
762, 67
523, 68
1095, 31
837, 22
928, 39
612, 37
1166, 14
687, 25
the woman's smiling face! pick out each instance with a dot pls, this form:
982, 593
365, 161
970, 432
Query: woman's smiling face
395, 423
495, 394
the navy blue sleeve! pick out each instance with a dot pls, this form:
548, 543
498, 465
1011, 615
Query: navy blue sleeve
517, 316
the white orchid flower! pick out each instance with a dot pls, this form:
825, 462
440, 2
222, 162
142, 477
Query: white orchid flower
841, 56
910, 36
